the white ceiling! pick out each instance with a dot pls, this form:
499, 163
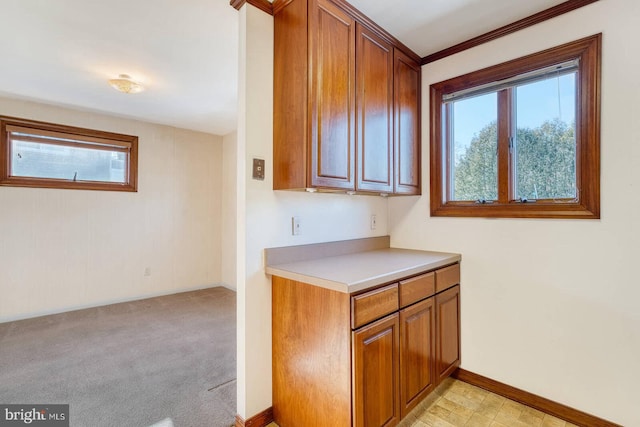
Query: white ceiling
186, 51
428, 26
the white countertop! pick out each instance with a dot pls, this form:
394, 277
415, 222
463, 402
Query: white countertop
358, 271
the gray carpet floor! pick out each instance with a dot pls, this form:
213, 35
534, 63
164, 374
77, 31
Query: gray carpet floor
168, 360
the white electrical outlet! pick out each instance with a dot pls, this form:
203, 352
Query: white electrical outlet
296, 228
374, 222
147, 271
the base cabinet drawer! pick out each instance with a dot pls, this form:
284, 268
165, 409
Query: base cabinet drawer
417, 288
373, 305
447, 277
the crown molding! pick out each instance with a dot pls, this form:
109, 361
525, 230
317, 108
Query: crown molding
534, 19
263, 5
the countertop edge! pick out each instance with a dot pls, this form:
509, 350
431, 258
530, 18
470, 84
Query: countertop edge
369, 282
316, 281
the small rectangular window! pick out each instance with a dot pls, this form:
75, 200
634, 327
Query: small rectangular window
520, 139
36, 154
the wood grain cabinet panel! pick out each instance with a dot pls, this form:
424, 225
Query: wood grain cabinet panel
346, 102
417, 288
376, 374
361, 360
406, 123
447, 277
332, 97
448, 332
417, 353
311, 354
290, 97
373, 305
374, 100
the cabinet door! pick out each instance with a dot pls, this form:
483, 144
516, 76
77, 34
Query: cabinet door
375, 374
417, 353
448, 332
406, 124
332, 100
374, 101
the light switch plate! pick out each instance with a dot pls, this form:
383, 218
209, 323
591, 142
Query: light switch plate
258, 169
295, 226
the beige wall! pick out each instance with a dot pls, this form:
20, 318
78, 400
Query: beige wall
66, 249
551, 306
264, 215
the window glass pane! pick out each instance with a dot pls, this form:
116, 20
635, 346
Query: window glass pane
544, 151
474, 144
39, 160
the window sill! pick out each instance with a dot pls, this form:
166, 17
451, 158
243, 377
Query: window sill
514, 210
66, 184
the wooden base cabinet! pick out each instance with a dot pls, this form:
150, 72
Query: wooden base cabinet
311, 353
448, 335
417, 354
375, 373
362, 360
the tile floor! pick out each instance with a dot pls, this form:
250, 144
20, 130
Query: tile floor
458, 404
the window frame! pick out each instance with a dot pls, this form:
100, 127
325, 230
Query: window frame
91, 139
587, 204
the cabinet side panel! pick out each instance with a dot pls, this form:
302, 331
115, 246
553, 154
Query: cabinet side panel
290, 96
311, 355
407, 124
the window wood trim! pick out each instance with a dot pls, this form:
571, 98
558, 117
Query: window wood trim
588, 50
95, 140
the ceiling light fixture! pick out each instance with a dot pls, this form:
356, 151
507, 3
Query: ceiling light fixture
124, 83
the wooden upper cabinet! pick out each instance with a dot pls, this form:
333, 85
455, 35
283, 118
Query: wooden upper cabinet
346, 102
374, 101
332, 101
290, 97
406, 123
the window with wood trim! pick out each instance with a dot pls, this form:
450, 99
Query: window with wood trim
520, 139
38, 154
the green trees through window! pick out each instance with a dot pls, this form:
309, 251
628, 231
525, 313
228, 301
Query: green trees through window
545, 163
